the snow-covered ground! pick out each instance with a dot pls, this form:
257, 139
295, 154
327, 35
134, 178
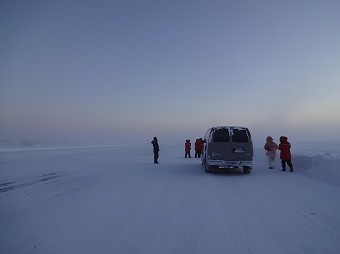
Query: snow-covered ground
113, 199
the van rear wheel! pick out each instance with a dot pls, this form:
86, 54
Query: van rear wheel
246, 169
207, 168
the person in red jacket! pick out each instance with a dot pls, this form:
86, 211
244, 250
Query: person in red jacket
187, 147
271, 148
198, 148
201, 147
285, 155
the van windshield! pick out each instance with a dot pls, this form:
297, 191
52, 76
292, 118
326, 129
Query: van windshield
240, 136
221, 135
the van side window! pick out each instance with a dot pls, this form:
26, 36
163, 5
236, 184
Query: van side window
221, 135
240, 136
207, 134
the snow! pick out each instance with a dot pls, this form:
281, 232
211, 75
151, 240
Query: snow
113, 199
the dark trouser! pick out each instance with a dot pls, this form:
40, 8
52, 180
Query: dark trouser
187, 154
289, 162
155, 156
197, 154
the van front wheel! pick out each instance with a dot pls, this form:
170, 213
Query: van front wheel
246, 169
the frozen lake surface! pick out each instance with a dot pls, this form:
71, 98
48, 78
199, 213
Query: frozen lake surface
113, 199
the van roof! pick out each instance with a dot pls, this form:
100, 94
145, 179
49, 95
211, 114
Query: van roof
223, 127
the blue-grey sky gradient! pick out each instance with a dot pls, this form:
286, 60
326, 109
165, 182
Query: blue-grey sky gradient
106, 72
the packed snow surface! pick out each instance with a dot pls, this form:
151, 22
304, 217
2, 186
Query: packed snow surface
113, 199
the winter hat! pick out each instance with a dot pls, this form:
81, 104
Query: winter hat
269, 139
283, 139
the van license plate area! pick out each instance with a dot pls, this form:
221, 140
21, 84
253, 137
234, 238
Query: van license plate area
224, 167
238, 150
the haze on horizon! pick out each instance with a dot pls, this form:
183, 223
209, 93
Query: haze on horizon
108, 72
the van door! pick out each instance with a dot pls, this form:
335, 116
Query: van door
219, 145
230, 144
242, 146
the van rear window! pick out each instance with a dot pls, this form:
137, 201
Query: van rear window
221, 135
240, 136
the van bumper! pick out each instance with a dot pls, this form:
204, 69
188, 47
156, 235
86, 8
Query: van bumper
229, 164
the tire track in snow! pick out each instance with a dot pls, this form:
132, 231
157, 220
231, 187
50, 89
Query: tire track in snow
240, 244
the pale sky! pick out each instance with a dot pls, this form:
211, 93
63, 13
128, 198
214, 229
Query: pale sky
108, 72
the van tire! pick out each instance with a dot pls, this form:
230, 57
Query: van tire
246, 169
207, 168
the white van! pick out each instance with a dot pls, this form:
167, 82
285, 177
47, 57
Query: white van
228, 147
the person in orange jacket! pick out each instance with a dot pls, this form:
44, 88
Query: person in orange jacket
271, 148
187, 147
285, 154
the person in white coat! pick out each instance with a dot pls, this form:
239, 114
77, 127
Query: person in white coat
271, 148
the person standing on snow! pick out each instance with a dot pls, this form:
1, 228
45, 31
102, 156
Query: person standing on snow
271, 148
197, 148
285, 154
187, 147
200, 147
154, 142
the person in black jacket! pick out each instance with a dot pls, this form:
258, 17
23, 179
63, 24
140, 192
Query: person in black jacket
154, 142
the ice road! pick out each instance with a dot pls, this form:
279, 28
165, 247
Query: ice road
115, 200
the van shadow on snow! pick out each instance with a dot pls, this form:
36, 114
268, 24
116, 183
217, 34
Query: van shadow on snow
194, 169
228, 171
